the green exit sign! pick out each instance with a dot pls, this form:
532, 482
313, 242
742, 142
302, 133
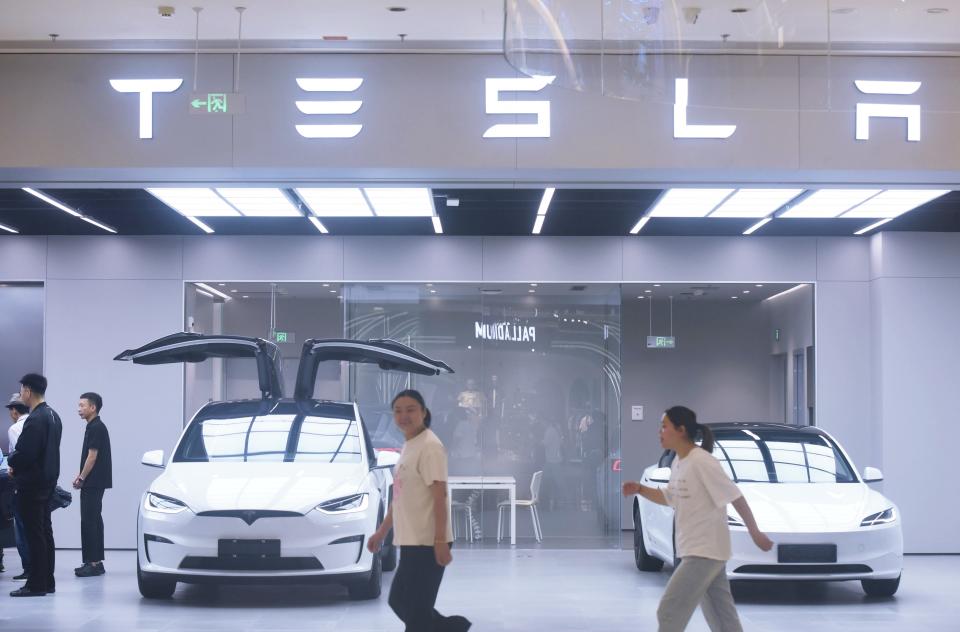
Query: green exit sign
216, 103
661, 342
283, 337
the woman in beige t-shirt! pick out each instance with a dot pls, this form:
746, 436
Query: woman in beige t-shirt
420, 518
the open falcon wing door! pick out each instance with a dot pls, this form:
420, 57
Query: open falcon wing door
189, 347
387, 354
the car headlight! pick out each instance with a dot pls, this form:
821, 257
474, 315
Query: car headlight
881, 517
345, 504
163, 504
734, 521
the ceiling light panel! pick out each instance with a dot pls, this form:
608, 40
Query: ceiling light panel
827, 203
260, 202
894, 202
689, 202
400, 202
195, 202
757, 203
335, 202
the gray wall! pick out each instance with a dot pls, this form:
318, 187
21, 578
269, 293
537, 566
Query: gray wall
134, 290
915, 311
21, 342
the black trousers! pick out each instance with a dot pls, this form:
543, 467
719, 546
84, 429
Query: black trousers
91, 523
413, 593
34, 510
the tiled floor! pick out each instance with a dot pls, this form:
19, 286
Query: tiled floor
500, 590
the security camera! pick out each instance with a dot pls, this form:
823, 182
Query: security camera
166, 12
691, 14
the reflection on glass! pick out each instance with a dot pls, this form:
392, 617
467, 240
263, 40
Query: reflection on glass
271, 438
778, 457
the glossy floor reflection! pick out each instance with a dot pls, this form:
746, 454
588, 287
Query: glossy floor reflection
500, 590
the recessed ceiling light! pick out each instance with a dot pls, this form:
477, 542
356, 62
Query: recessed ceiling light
453, 201
734, 297
9, 229
194, 202
437, 226
257, 202
222, 284
326, 285
400, 202
245, 296
656, 285
755, 202
689, 202
533, 285
342, 202
759, 285
234, 291
433, 291
213, 291
639, 225
318, 225
867, 229
746, 291
531, 291
648, 291
894, 202
828, 203
333, 291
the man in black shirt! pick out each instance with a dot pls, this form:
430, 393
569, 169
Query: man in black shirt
35, 465
96, 475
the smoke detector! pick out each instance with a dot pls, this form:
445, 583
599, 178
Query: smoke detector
166, 12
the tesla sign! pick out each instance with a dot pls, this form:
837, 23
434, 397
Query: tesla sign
495, 104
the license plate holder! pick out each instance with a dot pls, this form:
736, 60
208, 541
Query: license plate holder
807, 553
237, 548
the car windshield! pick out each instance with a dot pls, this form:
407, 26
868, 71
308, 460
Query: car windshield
271, 438
776, 456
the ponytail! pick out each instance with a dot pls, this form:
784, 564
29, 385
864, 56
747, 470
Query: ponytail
681, 416
707, 434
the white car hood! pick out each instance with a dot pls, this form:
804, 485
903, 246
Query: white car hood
810, 507
276, 486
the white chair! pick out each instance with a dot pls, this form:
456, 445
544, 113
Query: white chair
457, 508
531, 504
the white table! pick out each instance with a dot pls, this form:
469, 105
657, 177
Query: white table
508, 483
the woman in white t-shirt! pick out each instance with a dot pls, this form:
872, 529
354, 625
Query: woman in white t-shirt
420, 518
699, 492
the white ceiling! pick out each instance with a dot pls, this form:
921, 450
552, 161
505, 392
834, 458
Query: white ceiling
898, 22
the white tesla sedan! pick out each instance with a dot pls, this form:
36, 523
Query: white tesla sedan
826, 523
270, 489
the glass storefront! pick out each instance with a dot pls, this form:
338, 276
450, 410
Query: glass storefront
540, 370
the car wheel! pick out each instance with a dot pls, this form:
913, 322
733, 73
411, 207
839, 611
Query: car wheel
152, 587
388, 554
644, 561
880, 587
368, 588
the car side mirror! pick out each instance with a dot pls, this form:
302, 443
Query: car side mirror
660, 475
153, 458
872, 475
387, 458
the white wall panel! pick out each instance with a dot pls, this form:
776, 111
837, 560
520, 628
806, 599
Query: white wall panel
88, 322
23, 258
412, 258
553, 259
262, 258
113, 257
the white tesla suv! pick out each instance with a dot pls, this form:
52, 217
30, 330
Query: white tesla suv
826, 523
271, 489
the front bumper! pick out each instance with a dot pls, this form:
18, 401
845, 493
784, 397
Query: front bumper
867, 553
315, 547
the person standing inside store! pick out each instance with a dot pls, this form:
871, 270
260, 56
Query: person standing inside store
699, 492
420, 518
96, 476
35, 464
18, 417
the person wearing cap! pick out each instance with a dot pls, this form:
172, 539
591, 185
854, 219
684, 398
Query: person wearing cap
36, 467
18, 416
95, 477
